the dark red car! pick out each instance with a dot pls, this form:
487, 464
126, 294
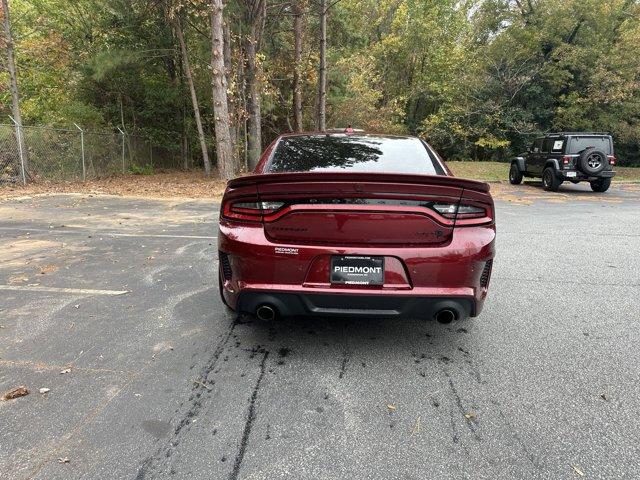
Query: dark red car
355, 225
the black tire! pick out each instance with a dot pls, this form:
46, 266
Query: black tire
601, 185
592, 161
550, 181
515, 175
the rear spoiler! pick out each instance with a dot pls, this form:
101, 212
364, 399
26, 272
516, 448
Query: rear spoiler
445, 181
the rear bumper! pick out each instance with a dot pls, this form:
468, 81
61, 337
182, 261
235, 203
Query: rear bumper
564, 175
327, 305
419, 281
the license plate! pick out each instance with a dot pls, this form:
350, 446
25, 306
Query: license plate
357, 270
571, 174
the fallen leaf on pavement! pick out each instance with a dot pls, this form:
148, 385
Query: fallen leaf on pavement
63, 460
66, 370
577, 470
392, 408
416, 427
44, 390
20, 391
197, 382
470, 416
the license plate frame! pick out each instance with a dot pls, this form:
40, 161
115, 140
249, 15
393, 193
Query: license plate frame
357, 270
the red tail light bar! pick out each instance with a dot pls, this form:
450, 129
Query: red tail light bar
250, 210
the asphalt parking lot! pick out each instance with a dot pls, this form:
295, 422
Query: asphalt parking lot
164, 383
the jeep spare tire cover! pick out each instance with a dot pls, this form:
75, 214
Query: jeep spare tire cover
592, 160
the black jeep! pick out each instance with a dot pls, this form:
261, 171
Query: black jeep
573, 156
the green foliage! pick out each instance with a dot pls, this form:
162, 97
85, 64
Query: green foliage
141, 170
476, 78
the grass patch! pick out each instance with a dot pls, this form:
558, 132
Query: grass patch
499, 171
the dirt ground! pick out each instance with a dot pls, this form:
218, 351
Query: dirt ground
173, 184
194, 185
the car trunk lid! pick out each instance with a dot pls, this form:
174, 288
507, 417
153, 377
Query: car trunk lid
370, 209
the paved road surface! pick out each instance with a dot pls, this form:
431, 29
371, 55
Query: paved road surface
165, 383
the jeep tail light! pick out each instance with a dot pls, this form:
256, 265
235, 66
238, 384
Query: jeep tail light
566, 160
248, 210
612, 159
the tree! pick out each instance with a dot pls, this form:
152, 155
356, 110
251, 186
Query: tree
194, 97
476, 79
255, 16
224, 150
13, 76
297, 55
322, 70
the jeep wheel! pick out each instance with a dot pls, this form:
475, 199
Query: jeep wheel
549, 180
515, 175
592, 161
601, 185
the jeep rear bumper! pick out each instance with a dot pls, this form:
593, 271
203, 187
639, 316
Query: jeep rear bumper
573, 175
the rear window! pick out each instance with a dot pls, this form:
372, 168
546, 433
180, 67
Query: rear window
350, 153
577, 144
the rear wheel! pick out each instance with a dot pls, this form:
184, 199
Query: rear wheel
549, 180
515, 175
601, 185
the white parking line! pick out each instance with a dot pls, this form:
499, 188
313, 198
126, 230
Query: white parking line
202, 237
75, 291
75, 231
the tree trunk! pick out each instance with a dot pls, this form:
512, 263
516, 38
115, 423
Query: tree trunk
322, 70
224, 150
255, 18
297, 54
194, 98
13, 78
254, 133
232, 99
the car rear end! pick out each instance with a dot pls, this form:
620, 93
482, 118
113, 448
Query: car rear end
586, 157
356, 244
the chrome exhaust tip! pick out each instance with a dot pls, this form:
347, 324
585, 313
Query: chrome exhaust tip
446, 315
266, 313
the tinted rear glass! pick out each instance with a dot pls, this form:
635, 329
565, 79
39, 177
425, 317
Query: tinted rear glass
577, 144
350, 153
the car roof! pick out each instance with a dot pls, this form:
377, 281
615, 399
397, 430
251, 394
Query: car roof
341, 133
576, 134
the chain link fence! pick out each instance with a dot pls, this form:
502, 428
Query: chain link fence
36, 153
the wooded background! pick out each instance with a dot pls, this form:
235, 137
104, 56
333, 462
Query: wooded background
477, 79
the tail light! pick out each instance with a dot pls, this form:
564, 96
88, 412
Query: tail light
612, 159
566, 160
452, 210
251, 211
248, 210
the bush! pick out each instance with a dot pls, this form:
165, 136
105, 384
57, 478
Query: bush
138, 170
